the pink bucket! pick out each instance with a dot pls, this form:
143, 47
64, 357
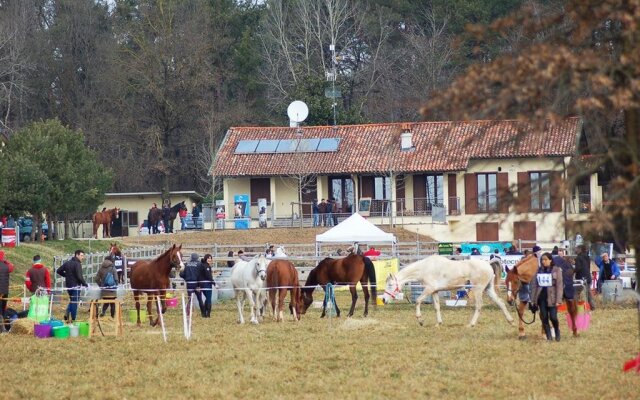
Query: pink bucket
582, 321
172, 302
42, 330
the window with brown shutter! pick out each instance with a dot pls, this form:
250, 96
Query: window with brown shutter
524, 193
504, 195
540, 190
524, 230
454, 202
487, 231
556, 191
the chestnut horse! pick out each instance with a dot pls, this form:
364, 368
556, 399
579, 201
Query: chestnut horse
282, 276
522, 273
152, 277
343, 271
104, 218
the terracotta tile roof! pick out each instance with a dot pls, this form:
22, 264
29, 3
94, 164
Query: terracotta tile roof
375, 148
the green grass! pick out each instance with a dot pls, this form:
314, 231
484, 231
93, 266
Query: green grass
387, 355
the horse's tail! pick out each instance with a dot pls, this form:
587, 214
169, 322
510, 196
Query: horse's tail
371, 273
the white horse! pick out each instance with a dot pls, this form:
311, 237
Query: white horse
248, 280
438, 273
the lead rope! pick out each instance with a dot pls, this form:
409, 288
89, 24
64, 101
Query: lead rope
329, 301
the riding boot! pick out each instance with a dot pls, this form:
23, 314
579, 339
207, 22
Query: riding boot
557, 331
209, 311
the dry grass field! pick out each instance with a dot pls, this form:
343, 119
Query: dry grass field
387, 355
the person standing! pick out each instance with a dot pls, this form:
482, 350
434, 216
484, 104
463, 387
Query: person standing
109, 288
334, 211
71, 270
583, 272
322, 209
152, 221
329, 214
546, 293
183, 218
315, 211
37, 277
5, 269
191, 277
609, 270
207, 283
166, 215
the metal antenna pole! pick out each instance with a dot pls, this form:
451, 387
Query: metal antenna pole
333, 82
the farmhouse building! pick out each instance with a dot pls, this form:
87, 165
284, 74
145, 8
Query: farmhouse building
454, 181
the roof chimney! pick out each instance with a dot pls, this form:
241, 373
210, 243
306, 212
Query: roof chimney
406, 142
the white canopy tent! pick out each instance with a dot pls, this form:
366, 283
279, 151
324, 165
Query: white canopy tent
356, 229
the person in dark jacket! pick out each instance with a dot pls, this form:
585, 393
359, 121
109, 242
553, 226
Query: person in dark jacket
166, 215
71, 270
37, 276
546, 292
107, 292
190, 275
5, 269
583, 272
207, 283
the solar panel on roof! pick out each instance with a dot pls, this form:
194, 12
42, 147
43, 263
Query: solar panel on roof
328, 144
246, 146
267, 146
308, 145
287, 146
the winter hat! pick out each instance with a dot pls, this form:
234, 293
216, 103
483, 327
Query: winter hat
36, 259
194, 256
536, 248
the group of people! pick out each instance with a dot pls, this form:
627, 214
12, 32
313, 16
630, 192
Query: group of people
165, 215
325, 212
198, 277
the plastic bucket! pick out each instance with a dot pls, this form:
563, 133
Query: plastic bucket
133, 316
74, 330
583, 321
42, 330
171, 302
61, 332
83, 328
53, 323
612, 291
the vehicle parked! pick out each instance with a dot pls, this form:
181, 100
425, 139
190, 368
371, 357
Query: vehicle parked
25, 225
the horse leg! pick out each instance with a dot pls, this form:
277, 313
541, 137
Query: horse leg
365, 290
272, 301
150, 298
572, 308
282, 295
522, 306
494, 296
354, 298
253, 304
426, 292
477, 291
240, 303
136, 297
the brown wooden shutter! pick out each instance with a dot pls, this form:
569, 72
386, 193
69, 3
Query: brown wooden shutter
470, 194
555, 181
260, 189
487, 231
504, 197
400, 193
453, 194
419, 187
523, 204
524, 230
367, 186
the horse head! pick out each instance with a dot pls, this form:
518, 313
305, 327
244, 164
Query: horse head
175, 257
261, 267
522, 272
513, 284
114, 250
115, 213
391, 288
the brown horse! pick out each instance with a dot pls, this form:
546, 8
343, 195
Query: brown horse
282, 276
522, 273
152, 278
349, 270
118, 261
104, 218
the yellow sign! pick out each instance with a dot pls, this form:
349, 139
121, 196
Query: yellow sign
383, 269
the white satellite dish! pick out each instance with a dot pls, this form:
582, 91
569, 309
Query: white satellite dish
297, 112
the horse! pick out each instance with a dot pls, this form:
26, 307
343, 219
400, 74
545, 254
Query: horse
349, 270
522, 273
152, 277
104, 218
248, 280
175, 210
282, 276
438, 273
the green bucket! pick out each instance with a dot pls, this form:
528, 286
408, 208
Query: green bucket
83, 328
133, 316
61, 332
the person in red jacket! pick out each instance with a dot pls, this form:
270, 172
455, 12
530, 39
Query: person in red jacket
37, 276
5, 269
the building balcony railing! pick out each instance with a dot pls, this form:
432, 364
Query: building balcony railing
580, 204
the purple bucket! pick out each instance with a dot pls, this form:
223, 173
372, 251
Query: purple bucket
42, 330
